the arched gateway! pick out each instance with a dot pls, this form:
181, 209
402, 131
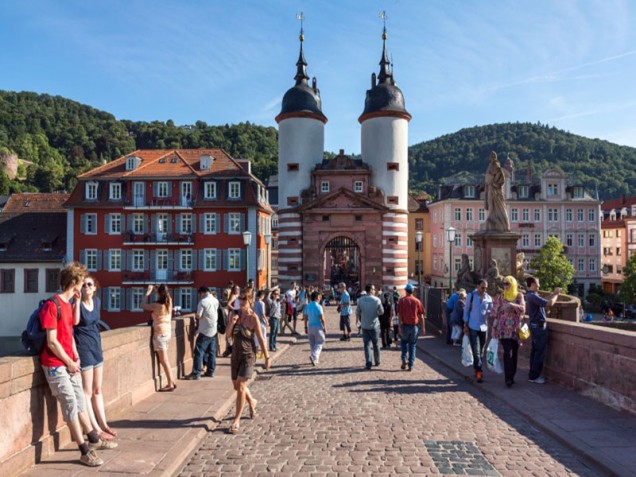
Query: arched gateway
341, 262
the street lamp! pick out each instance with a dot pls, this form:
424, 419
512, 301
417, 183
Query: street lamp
418, 244
450, 236
247, 240
268, 240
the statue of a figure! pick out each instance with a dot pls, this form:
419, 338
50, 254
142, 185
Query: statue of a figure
495, 279
494, 192
466, 278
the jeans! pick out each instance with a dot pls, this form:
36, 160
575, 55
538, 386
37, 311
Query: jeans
385, 332
204, 346
449, 326
316, 341
539, 336
510, 352
371, 337
477, 344
274, 324
408, 342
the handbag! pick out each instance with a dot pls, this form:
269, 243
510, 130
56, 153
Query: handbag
492, 356
456, 333
467, 352
524, 332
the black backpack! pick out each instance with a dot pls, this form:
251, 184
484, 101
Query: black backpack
34, 337
220, 323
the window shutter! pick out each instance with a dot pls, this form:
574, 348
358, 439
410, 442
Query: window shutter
194, 224
129, 299
219, 260
202, 223
194, 260
106, 303
154, 224
217, 223
193, 299
226, 223
179, 220
226, 259
122, 298
145, 223
107, 223
202, 260
155, 189
171, 266
169, 189
170, 230
99, 260
82, 256
107, 259
129, 222
83, 223
242, 222
178, 261
147, 260
177, 297
129, 260
122, 260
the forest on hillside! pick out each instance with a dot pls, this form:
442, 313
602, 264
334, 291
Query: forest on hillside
61, 138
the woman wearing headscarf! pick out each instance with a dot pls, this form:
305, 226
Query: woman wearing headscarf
508, 311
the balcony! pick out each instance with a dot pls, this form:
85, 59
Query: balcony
133, 239
164, 203
151, 277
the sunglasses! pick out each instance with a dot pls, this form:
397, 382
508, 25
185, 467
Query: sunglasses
506, 284
88, 285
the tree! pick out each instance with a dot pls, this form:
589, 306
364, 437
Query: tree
627, 292
551, 266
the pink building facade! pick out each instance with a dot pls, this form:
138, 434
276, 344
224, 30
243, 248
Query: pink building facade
549, 206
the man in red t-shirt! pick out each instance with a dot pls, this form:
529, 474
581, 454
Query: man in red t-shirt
411, 317
61, 365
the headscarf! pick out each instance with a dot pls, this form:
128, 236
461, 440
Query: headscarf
511, 293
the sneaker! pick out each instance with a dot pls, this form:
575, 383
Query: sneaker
192, 377
91, 459
410, 368
377, 364
312, 360
479, 375
102, 444
209, 375
539, 380
403, 365
344, 338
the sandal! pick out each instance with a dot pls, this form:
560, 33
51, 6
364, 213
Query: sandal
168, 389
253, 409
106, 436
234, 429
109, 430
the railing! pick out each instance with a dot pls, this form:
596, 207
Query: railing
157, 238
164, 202
153, 276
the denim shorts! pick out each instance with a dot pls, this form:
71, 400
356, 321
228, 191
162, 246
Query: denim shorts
67, 388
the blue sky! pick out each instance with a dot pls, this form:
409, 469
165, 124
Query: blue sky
570, 64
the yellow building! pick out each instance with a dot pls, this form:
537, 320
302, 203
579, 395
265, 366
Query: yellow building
419, 222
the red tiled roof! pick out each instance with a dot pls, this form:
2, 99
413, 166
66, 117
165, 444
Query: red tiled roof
36, 202
618, 203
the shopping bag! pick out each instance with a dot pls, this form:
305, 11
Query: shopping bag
467, 352
524, 332
456, 333
492, 356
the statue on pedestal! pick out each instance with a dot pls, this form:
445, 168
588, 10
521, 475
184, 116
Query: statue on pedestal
494, 195
466, 278
495, 279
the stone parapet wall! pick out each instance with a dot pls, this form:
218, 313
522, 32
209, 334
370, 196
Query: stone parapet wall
31, 425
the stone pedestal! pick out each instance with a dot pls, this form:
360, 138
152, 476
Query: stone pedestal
501, 246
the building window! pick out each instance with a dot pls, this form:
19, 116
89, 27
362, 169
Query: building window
577, 193
209, 224
458, 240
292, 167
186, 299
419, 224
435, 240
138, 224
392, 200
537, 240
525, 215
592, 240
553, 190
569, 240
358, 186
537, 215
186, 260
115, 223
568, 215
591, 216
52, 280
162, 189
469, 241
137, 296
234, 190
618, 233
469, 192
186, 223
90, 257
210, 260
114, 260
581, 240
592, 265
115, 191
234, 260
138, 260
618, 251
553, 215
31, 276
132, 163
90, 224
581, 265
393, 166
209, 190
482, 214
470, 216
234, 223
7, 280
458, 214
324, 187
91, 191
514, 215
525, 240
579, 215
522, 192
114, 300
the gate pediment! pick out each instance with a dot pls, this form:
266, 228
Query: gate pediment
343, 199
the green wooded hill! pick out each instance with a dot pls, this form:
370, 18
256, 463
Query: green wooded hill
63, 138
533, 148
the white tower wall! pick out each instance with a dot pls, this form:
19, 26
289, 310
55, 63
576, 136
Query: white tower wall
384, 140
301, 141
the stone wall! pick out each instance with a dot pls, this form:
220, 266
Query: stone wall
31, 426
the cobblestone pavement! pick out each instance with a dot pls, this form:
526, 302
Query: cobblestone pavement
338, 419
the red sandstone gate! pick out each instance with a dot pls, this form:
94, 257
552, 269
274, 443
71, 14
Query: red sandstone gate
341, 262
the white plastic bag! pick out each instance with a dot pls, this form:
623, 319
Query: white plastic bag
492, 356
456, 333
467, 352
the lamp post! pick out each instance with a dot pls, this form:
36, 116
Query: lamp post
247, 240
450, 236
268, 240
418, 245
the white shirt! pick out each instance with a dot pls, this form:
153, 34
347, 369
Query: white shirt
208, 310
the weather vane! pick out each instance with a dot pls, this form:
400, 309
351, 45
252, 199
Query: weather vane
300, 17
383, 16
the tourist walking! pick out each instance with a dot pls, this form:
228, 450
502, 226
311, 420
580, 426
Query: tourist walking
259, 309
411, 316
232, 307
207, 317
315, 327
243, 326
535, 309
344, 307
478, 307
457, 317
385, 321
291, 296
161, 330
89, 348
368, 311
450, 305
61, 364
275, 315
508, 310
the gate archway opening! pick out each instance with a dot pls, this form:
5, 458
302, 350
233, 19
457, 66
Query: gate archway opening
342, 262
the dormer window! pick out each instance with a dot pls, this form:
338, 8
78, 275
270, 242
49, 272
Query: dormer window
206, 163
132, 163
469, 191
234, 191
577, 193
209, 190
358, 186
47, 246
522, 192
553, 190
91, 191
324, 187
115, 191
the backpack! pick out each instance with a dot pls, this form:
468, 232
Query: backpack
220, 324
34, 337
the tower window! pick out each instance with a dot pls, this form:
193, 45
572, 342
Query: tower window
292, 201
358, 218
392, 199
325, 218
292, 167
358, 186
393, 166
324, 186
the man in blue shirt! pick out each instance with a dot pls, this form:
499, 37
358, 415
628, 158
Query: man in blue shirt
315, 326
535, 309
450, 304
345, 313
478, 307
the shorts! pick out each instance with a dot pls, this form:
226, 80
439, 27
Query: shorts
67, 389
242, 368
91, 366
345, 323
160, 342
